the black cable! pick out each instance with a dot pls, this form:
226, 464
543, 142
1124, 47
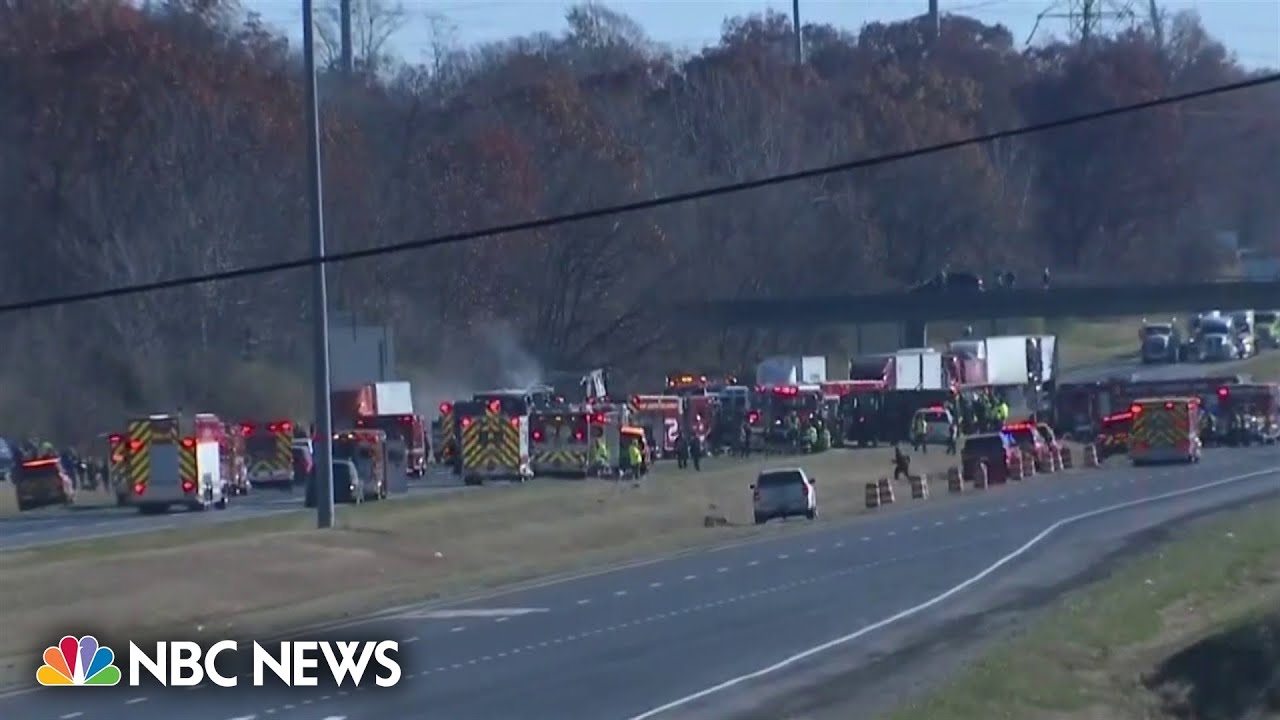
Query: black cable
545, 222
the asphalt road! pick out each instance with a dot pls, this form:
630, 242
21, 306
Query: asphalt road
616, 645
60, 525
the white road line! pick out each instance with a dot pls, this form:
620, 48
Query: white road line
937, 599
335, 717
245, 717
722, 570
460, 628
812, 550
502, 619
135, 701
753, 563
583, 602
619, 593
655, 584
70, 716
415, 637
690, 577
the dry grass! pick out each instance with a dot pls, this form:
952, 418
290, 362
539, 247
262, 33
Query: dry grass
1088, 657
396, 552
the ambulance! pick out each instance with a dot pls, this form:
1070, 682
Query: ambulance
168, 467
1165, 429
493, 441
558, 444
268, 453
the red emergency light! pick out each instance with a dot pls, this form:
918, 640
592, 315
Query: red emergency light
188, 443
445, 408
936, 408
406, 419
246, 428
494, 406
537, 436
280, 426
115, 439
139, 489
1223, 392
135, 445
43, 462
466, 422
753, 417
597, 419
515, 422
1168, 406
1135, 409
786, 390
577, 434
188, 486
1018, 426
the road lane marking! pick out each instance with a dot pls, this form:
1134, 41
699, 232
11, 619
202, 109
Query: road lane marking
135, 701
70, 716
460, 628
942, 597
655, 584
455, 614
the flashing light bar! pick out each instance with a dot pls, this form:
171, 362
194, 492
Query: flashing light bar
43, 462
446, 408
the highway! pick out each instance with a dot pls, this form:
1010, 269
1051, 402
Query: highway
61, 525
619, 644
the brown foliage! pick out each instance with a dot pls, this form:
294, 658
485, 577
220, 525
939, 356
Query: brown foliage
138, 145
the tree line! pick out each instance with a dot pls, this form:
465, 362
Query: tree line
141, 143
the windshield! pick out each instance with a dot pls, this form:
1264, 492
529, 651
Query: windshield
780, 404
984, 445
1157, 330
261, 445
933, 415
779, 479
1215, 326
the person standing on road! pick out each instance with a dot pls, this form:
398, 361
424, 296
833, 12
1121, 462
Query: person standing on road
695, 451
682, 451
953, 435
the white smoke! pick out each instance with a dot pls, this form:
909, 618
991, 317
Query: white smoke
492, 358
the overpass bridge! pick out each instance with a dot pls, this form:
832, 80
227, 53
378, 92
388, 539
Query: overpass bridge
916, 310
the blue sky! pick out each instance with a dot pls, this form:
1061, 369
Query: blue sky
1250, 28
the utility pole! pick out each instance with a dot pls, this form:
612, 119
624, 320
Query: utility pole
795, 23
344, 22
323, 476
1086, 17
935, 19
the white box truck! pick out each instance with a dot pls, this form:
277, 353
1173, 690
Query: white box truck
792, 370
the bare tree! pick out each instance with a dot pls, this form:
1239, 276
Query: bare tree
374, 23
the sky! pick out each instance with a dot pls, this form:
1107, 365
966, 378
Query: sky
1250, 28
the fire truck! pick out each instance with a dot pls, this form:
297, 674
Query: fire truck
701, 405
1078, 408
493, 440
410, 430
777, 402
41, 482
659, 417
366, 448
168, 467
268, 449
856, 415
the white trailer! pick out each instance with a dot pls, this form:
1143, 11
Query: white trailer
792, 370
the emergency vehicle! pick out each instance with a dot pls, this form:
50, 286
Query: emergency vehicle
167, 467
41, 482
1080, 407
1258, 401
559, 444
366, 448
444, 438
410, 430
858, 406
777, 402
1165, 430
701, 405
493, 442
268, 449
1113, 437
659, 417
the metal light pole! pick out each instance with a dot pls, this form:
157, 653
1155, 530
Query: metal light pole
795, 26
323, 478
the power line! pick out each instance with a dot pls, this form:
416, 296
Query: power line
637, 206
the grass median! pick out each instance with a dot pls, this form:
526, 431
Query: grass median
1188, 631
262, 574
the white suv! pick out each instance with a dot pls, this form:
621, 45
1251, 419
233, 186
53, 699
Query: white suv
784, 493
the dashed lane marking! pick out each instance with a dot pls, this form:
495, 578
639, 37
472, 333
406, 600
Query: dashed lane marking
135, 701
942, 597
